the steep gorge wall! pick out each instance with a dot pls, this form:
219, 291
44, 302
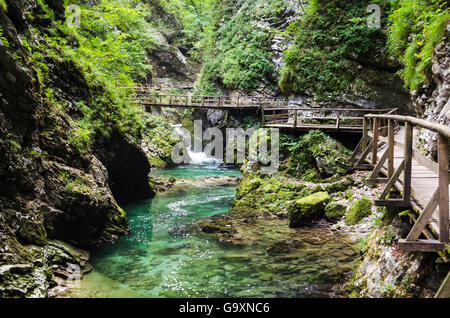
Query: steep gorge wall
52, 190
431, 101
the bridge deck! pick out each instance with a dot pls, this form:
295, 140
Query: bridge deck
323, 127
424, 180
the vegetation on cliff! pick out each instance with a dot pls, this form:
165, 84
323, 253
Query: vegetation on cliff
416, 28
328, 41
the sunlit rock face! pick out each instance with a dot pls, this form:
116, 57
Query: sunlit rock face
432, 101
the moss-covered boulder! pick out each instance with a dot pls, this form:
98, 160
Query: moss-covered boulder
315, 156
358, 211
307, 209
335, 211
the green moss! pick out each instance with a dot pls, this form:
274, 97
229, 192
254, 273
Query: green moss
314, 156
307, 209
335, 211
339, 186
3, 5
156, 162
359, 210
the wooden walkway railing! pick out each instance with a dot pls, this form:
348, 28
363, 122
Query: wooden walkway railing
192, 101
423, 183
326, 119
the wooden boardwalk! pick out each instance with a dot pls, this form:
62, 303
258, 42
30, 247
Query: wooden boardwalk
325, 119
424, 175
205, 102
388, 149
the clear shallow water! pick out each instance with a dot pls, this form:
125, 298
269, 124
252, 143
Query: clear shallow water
153, 263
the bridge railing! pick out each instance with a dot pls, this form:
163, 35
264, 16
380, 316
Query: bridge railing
337, 118
379, 129
171, 100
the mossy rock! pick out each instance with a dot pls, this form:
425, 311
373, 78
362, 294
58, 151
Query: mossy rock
248, 185
358, 211
335, 211
307, 209
339, 186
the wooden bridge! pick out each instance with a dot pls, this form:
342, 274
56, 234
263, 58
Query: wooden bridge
386, 148
326, 119
206, 102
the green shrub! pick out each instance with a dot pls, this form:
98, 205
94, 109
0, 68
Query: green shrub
416, 28
327, 40
3, 5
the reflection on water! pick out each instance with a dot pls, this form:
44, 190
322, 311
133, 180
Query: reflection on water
152, 263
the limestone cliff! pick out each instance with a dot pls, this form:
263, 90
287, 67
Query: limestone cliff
52, 189
432, 100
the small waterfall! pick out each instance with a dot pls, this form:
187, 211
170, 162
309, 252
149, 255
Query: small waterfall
197, 158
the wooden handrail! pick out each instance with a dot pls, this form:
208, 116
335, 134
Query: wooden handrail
439, 128
333, 109
441, 196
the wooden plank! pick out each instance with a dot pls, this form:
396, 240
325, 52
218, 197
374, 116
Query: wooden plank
423, 219
376, 133
373, 176
444, 290
443, 188
356, 151
408, 161
421, 246
364, 137
364, 154
392, 180
393, 203
391, 138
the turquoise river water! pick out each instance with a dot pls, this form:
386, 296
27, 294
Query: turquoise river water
153, 263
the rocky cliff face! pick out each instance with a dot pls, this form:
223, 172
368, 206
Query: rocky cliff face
51, 190
432, 100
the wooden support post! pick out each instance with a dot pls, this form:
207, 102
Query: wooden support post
364, 155
295, 119
443, 188
391, 135
237, 102
408, 152
263, 119
373, 177
422, 221
364, 136
376, 127
338, 120
392, 180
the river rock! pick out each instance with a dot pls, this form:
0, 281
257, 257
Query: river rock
308, 209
